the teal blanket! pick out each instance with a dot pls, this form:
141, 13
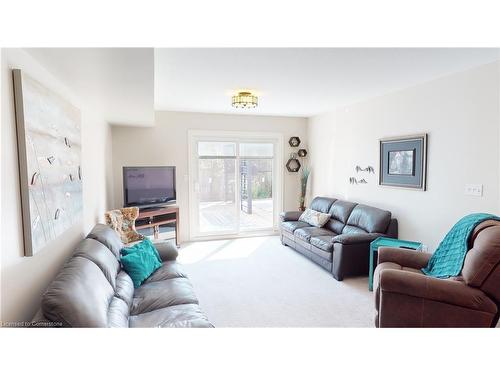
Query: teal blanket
448, 259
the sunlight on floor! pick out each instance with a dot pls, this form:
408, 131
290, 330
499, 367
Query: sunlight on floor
258, 282
220, 249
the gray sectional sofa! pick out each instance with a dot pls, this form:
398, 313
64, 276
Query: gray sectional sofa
342, 245
92, 290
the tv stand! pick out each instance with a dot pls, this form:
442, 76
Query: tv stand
151, 208
153, 217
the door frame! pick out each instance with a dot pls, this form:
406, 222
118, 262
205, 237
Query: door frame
236, 136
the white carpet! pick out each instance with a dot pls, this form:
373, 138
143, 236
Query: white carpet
257, 282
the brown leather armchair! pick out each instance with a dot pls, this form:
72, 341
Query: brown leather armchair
405, 297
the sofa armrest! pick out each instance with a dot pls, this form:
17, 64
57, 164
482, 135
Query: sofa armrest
355, 238
403, 257
290, 215
39, 321
441, 290
167, 250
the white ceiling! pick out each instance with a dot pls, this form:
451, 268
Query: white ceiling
128, 84
298, 82
118, 82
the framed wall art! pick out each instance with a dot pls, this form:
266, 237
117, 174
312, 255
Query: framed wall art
403, 161
49, 152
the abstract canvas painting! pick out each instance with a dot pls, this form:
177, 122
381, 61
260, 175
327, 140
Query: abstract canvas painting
49, 151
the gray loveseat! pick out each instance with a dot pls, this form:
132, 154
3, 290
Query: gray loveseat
92, 290
342, 245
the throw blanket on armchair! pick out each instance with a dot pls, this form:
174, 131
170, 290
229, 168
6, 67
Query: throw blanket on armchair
448, 259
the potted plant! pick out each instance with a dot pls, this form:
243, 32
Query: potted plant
304, 176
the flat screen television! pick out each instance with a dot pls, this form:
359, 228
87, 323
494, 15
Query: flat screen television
148, 186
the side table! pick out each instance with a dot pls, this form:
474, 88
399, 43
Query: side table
390, 242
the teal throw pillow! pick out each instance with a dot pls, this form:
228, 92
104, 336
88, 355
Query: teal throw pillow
145, 244
140, 261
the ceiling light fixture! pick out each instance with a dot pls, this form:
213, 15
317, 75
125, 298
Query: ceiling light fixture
244, 99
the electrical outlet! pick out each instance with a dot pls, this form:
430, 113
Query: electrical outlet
474, 190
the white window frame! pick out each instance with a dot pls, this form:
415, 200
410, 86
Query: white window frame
195, 136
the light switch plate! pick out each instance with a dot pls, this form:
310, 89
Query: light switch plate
475, 190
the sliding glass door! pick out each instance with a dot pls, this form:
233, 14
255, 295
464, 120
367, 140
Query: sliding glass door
233, 185
217, 187
256, 186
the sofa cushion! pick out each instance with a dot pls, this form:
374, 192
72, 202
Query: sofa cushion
187, 315
314, 218
291, 226
321, 204
356, 238
351, 229
79, 296
108, 237
369, 218
387, 266
326, 255
118, 313
334, 225
305, 234
340, 211
124, 288
323, 242
101, 256
159, 294
168, 270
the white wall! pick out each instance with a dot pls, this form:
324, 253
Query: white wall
167, 144
23, 279
461, 114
